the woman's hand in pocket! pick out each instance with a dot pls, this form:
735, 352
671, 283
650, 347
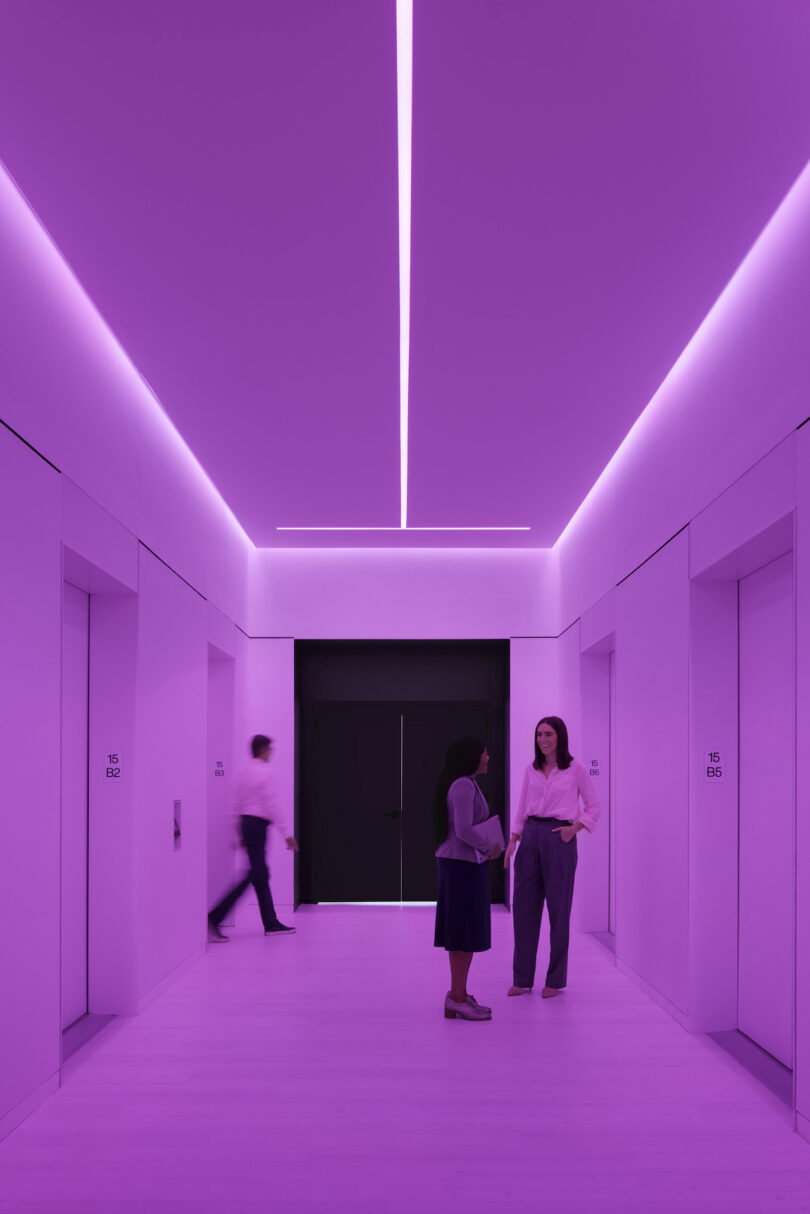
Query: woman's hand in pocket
566, 833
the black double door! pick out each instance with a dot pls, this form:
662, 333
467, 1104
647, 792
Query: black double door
365, 811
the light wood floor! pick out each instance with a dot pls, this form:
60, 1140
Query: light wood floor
316, 1073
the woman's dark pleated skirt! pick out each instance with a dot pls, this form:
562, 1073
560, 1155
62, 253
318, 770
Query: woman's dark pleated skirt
462, 907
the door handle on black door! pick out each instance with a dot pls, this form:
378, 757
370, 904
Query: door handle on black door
393, 814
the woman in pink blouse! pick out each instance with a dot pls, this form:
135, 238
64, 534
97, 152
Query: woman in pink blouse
557, 801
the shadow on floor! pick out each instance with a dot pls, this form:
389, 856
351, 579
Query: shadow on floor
762, 1065
82, 1031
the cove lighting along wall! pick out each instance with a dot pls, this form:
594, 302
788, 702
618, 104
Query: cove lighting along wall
44, 258
777, 240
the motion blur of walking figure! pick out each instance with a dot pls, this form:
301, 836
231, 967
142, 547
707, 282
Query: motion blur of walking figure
468, 837
255, 809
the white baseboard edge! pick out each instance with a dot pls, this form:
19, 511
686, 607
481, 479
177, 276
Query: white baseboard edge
161, 986
28, 1105
650, 991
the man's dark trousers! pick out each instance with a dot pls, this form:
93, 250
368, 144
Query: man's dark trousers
254, 836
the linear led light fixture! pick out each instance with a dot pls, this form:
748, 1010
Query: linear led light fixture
404, 129
403, 529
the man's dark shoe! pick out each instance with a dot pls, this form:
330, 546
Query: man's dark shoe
279, 929
215, 936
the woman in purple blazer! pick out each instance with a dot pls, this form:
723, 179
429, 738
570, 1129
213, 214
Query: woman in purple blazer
462, 906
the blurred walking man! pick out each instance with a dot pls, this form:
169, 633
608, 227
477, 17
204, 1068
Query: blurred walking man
255, 810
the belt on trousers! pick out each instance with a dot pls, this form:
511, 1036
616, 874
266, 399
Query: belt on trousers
557, 821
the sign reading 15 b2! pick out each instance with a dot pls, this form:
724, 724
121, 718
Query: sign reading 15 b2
112, 766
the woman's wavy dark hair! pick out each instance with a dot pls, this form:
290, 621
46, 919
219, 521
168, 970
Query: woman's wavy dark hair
462, 759
564, 756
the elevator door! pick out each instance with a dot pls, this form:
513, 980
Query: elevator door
351, 836
367, 830
611, 793
767, 827
75, 655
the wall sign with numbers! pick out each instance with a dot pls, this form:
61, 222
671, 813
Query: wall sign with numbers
219, 770
713, 767
593, 770
112, 767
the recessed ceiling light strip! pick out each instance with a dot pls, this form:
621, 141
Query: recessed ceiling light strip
404, 128
403, 528
404, 119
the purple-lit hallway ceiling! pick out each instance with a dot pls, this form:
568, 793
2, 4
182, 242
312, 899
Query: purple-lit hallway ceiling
223, 180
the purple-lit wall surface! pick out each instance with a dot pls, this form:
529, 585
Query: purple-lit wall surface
121, 475
29, 776
717, 453
72, 392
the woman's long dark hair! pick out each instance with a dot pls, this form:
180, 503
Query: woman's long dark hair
462, 759
564, 756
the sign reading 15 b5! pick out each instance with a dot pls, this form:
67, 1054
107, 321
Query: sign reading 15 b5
713, 769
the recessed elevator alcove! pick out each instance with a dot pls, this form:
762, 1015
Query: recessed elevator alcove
98, 687
743, 803
373, 723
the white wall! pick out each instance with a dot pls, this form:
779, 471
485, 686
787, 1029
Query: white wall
802, 560
30, 615
219, 771
592, 741
169, 764
402, 593
652, 698
112, 921
675, 637
121, 475
70, 390
716, 458
148, 695
713, 805
149, 660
